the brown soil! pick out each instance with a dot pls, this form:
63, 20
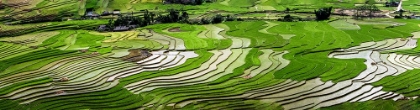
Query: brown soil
137, 55
352, 12
64, 79
175, 29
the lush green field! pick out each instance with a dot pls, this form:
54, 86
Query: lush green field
245, 65
234, 65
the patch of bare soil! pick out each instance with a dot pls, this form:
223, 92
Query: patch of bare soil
364, 13
137, 55
175, 29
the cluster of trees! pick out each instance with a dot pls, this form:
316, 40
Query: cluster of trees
366, 9
127, 20
173, 16
215, 19
124, 22
400, 15
289, 18
392, 3
323, 13
148, 18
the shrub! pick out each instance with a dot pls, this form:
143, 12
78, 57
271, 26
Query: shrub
323, 13
230, 18
288, 18
218, 19
205, 21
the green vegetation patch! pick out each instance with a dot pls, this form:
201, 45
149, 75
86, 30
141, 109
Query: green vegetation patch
91, 3
27, 83
377, 105
344, 25
405, 83
189, 34
4, 64
86, 40
188, 65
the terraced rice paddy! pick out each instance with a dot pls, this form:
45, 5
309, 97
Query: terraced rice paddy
232, 65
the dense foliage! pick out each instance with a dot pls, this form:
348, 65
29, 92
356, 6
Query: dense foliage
323, 13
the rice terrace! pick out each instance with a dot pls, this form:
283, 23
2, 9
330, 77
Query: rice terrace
209, 54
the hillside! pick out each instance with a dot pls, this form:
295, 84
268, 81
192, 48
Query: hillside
215, 55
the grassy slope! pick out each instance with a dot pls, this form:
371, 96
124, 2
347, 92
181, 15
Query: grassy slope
377, 105
307, 50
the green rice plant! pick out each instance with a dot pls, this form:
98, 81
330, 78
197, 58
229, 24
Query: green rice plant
231, 104
405, 83
309, 51
4, 64
189, 36
241, 3
36, 64
84, 39
58, 40
344, 25
8, 50
11, 104
250, 30
27, 83
219, 88
115, 97
225, 78
380, 104
188, 65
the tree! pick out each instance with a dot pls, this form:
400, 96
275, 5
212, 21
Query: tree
152, 17
401, 12
205, 21
287, 10
174, 15
110, 24
199, 2
323, 13
288, 18
147, 18
218, 19
371, 7
184, 17
230, 18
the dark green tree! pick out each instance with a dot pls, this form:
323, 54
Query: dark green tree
110, 24
218, 19
323, 13
401, 12
184, 17
174, 15
288, 18
205, 21
199, 2
230, 18
287, 10
152, 17
371, 7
